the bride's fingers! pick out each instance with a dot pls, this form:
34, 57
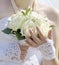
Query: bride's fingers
41, 35
22, 57
35, 38
50, 34
23, 54
30, 42
23, 47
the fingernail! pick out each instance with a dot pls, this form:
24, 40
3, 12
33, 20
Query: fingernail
36, 27
26, 37
30, 31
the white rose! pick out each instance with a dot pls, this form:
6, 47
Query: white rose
42, 22
45, 28
28, 25
17, 20
31, 23
14, 21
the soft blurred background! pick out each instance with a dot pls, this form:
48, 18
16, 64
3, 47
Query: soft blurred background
53, 3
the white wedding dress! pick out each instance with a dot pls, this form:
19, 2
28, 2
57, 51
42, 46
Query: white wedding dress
10, 51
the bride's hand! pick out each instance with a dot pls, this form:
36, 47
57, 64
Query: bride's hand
36, 41
45, 45
23, 49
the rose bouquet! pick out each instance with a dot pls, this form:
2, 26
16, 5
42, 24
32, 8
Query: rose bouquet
20, 23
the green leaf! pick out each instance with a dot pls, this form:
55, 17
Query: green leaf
52, 26
7, 31
27, 10
19, 36
23, 13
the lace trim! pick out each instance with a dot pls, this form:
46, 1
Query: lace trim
47, 50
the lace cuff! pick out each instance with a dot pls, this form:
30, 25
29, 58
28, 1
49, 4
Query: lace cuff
47, 49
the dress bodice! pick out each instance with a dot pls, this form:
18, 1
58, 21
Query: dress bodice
10, 51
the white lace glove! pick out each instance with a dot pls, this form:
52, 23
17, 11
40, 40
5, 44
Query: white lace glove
45, 45
32, 61
47, 49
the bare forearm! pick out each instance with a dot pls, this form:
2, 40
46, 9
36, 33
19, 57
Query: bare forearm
55, 62
51, 62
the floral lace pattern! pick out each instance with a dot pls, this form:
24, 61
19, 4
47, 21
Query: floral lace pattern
11, 52
47, 49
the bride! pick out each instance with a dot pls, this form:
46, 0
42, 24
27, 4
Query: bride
11, 53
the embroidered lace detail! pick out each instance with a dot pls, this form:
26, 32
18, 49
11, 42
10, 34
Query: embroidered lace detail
47, 50
32, 61
11, 53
